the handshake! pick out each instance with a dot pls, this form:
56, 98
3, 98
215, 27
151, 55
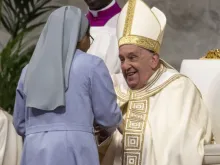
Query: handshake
102, 133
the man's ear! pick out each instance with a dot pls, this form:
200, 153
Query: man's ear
155, 60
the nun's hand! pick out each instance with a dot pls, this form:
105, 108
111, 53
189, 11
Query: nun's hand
101, 134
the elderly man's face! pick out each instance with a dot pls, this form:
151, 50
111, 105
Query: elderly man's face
137, 65
97, 4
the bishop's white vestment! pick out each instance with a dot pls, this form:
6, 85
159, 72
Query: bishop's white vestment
165, 123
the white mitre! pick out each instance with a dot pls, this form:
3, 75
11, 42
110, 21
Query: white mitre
139, 25
205, 73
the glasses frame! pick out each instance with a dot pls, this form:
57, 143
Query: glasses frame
91, 39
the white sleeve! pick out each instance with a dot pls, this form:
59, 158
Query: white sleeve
105, 46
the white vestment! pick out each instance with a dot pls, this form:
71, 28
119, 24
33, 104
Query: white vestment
206, 75
105, 44
165, 123
10, 142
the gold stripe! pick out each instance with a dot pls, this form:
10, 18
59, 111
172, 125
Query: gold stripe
157, 89
135, 125
129, 17
122, 96
161, 87
134, 131
143, 94
142, 91
143, 42
157, 76
136, 119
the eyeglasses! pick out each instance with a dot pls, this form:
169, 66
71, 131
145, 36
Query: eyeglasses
91, 39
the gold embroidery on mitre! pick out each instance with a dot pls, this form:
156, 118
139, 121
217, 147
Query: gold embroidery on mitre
143, 42
129, 17
212, 54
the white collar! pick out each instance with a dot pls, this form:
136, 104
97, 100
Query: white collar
95, 12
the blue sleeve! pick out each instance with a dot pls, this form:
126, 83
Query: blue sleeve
19, 107
104, 101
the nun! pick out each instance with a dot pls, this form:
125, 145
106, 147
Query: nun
61, 93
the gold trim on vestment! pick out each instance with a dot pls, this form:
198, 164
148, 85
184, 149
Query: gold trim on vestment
142, 91
136, 96
145, 93
137, 115
124, 97
143, 42
136, 119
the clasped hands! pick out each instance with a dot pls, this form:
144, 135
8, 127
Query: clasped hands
103, 133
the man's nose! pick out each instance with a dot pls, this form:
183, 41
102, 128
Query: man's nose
125, 65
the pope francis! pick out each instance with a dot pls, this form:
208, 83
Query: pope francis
165, 120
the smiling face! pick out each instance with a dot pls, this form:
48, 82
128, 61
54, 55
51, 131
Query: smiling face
97, 4
138, 65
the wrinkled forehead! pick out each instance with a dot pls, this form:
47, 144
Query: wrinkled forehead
125, 50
